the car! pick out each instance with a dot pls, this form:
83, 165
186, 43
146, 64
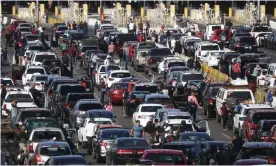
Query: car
105, 35
104, 27
87, 44
240, 29
244, 44
24, 30
38, 81
133, 100
195, 136
111, 38
270, 41
67, 160
210, 28
211, 58
175, 36
145, 86
189, 42
100, 72
175, 119
201, 48
212, 146
165, 156
124, 149
32, 112
251, 162
186, 76
31, 123
88, 59
6, 81
117, 91
263, 129
171, 61
69, 33
139, 59
38, 57
59, 30
241, 112
101, 113
45, 150
159, 115
38, 134
32, 37
253, 118
30, 71
222, 36
121, 38
116, 75
104, 139
94, 57
260, 150
157, 98
261, 38
257, 29
80, 108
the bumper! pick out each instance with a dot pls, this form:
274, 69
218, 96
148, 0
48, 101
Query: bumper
116, 98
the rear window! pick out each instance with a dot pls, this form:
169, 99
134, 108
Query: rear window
150, 108
32, 38
89, 48
32, 71
104, 122
77, 97
119, 86
36, 123
63, 28
126, 37
114, 134
171, 64
147, 45
38, 113
160, 52
267, 152
138, 95
214, 92
55, 84
77, 36
25, 30
110, 68
215, 27
213, 147
64, 90
165, 158
240, 95
268, 125
247, 40
47, 135
210, 47
6, 82
37, 48
89, 106
201, 137
188, 77
179, 117
142, 54
16, 96
194, 148
96, 114
41, 78
132, 143
163, 101
151, 89
179, 69
120, 75
40, 58
263, 116
261, 29
55, 151
108, 27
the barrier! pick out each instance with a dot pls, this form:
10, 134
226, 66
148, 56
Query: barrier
260, 96
214, 74
53, 20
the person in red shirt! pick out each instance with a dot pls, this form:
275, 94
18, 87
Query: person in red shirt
130, 86
236, 70
71, 50
224, 115
252, 86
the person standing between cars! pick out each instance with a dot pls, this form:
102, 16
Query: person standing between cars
8, 38
103, 89
107, 63
147, 28
126, 54
21, 55
74, 25
14, 111
96, 27
108, 106
173, 42
190, 62
166, 68
269, 97
150, 127
224, 116
111, 49
236, 70
131, 27
65, 60
85, 27
194, 104
35, 93
237, 143
64, 47
256, 72
153, 36
4, 55
90, 129
140, 26
137, 130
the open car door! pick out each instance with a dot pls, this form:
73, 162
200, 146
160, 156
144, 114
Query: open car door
203, 126
17, 72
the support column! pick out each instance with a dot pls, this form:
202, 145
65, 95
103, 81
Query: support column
42, 12
206, 8
128, 10
186, 12
142, 12
262, 10
230, 13
84, 12
56, 11
172, 13
217, 10
14, 10
274, 12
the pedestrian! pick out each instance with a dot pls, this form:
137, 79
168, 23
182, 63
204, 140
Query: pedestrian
237, 143
140, 26
236, 70
194, 104
130, 86
165, 68
178, 47
139, 36
147, 28
107, 63
165, 90
65, 60
224, 115
64, 47
4, 55
108, 106
252, 86
36, 94
96, 27
74, 25
21, 55
256, 72
103, 89
269, 97
8, 38
111, 49
172, 46
126, 54
14, 111
197, 64
190, 62
137, 130
224, 68
71, 50
90, 129
131, 27
3, 93
162, 28
150, 127
69, 25
85, 27
155, 140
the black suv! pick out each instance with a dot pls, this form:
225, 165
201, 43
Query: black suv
244, 44
132, 101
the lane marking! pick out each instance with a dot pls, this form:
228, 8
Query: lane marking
227, 136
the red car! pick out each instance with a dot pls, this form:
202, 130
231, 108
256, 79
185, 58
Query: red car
165, 157
253, 118
272, 135
116, 92
222, 35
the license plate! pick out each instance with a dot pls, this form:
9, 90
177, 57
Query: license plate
246, 47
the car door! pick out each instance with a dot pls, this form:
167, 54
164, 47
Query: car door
204, 125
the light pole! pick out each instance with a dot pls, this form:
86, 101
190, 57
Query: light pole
37, 12
258, 10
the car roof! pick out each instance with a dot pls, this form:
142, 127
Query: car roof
150, 104
19, 92
259, 145
181, 143
255, 105
157, 95
47, 129
119, 71
49, 143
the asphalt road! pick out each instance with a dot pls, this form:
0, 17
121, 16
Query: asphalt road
216, 129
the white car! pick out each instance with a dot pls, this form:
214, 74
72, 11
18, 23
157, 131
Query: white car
30, 71
6, 81
38, 81
101, 72
241, 112
211, 58
116, 76
24, 99
202, 48
144, 112
175, 118
256, 30
104, 27
39, 134
38, 57
169, 60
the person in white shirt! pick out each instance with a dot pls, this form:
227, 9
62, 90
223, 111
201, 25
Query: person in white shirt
90, 129
131, 27
173, 41
107, 63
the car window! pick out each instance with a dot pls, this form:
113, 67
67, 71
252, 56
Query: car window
150, 108
41, 78
195, 138
240, 95
36, 123
55, 151
32, 71
39, 113
114, 134
97, 114
163, 101
179, 117
47, 135
64, 90
151, 89
215, 27
210, 47
138, 95
89, 106
253, 152
120, 75
160, 52
164, 158
6, 82
110, 68
88, 48
77, 97
16, 96
40, 58
257, 117
105, 122
247, 40
187, 77
119, 86
132, 143
62, 28
37, 48
261, 29
32, 38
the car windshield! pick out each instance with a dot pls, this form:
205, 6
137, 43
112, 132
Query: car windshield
163, 101
188, 77
37, 48
224, 32
201, 137
151, 89
138, 95
102, 56
171, 64
105, 122
40, 58
248, 40
89, 106
258, 152
261, 29
150, 108
110, 68
113, 134
120, 75
64, 90
41, 78
268, 125
38, 113
77, 36
132, 143
77, 97
210, 48
165, 158
55, 151
89, 48
179, 69
16, 96
241, 95
32, 38
192, 42
62, 28
25, 30
47, 135
97, 114
263, 116
36, 123
6, 82
215, 27
160, 52
120, 86
179, 117
108, 27
32, 71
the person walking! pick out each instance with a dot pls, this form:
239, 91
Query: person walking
85, 28
14, 112
140, 26
90, 129
147, 28
8, 38
178, 47
194, 104
173, 42
166, 68
64, 47
109, 106
74, 25
131, 27
107, 63
269, 97
21, 55
103, 89
237, 143
224, 115
4, 55
111, 49
236, 70
137, 130
96, 27
126, 54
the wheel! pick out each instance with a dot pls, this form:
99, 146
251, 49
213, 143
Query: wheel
218, 118
209, 112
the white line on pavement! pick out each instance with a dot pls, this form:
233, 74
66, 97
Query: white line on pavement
225, 135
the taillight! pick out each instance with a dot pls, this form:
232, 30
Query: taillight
199, 53
150, 60
142, 117
133, 101
211, 101
140, 151
170, 106
31, 148
103, 144
38, 158
5, 106
272, 161
238, 45
111, 79
122, 151
67, 105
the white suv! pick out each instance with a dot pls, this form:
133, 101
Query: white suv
38, 57
202, 48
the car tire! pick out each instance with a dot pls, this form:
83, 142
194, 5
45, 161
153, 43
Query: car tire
218, 118
209, 112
